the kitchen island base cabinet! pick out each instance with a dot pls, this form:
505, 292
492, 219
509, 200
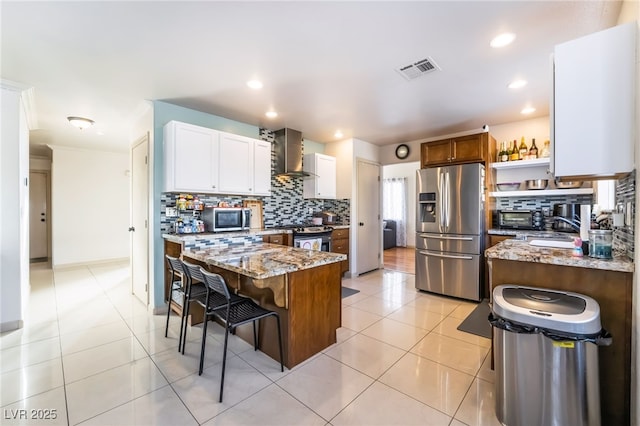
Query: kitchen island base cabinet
613, 292
310, 309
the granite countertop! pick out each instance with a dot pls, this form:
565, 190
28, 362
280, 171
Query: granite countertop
263, 260
521, 250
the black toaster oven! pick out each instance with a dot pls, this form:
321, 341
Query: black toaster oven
520, 219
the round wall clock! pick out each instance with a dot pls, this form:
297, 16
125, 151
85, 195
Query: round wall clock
402, 151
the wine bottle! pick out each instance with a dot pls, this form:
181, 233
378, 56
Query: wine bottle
515, 155
545, 152
522, 150
533, 151
504, 154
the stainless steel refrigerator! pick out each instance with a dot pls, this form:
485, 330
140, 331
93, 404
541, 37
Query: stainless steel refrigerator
450, 230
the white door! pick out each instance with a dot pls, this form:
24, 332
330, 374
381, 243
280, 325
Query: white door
368, 222
139, 220
38, 220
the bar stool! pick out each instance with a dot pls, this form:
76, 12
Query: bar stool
175, 268
232, 314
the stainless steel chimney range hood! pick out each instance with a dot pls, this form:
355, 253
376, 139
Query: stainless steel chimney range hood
288, 149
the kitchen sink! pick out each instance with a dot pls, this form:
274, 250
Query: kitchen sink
551, 242
550, 239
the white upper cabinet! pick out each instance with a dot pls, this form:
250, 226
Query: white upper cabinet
204, 160
262, 168
322, 182
245, 165
593, 110
236, 164
190, 158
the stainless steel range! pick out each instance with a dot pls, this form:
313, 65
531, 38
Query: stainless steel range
312, 237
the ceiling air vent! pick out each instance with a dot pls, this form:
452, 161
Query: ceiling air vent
418, 68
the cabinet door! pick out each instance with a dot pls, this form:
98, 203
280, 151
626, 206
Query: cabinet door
262, 168
236, 164
593, 115
435, 153
326, 169
322, 182
190, 158
467, 149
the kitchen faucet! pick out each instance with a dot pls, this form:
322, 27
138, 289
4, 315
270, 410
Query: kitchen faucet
575, 224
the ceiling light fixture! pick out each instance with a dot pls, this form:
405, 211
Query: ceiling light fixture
80, 122
338, 134
271, 114
503, 40
254, 84
517, 84
528, 110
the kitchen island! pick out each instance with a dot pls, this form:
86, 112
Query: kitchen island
303, 286
609, 282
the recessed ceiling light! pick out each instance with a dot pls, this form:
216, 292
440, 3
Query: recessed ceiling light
254, 84
80, 122
517, 84
528, 110
503, 40
271, 114
338, 134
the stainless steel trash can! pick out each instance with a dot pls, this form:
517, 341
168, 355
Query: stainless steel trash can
546, 356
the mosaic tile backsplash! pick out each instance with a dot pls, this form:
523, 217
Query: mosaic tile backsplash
284, 207
623, 236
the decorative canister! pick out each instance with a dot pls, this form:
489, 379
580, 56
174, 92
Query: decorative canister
601, 243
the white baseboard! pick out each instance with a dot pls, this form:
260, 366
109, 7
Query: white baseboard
11, 325
93, 262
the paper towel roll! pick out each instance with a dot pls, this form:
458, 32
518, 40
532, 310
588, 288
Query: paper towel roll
585, 221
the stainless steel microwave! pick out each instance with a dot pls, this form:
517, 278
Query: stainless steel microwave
219, 219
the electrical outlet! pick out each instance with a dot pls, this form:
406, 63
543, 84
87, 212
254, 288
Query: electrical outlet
546, 212
310, 210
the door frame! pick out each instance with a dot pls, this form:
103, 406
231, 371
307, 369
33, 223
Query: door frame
47, 175
355, 214
145, 139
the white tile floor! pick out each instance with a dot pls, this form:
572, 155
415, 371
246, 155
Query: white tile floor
91, 354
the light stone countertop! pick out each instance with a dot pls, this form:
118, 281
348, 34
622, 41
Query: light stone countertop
522, 251
263, 260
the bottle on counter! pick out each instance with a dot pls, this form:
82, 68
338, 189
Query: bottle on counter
515, 154
545, 152
533, 151
523, 150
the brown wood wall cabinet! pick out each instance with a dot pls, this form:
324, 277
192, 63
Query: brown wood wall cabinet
459, 150
613, 292
340, 244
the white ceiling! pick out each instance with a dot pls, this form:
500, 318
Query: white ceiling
325, 65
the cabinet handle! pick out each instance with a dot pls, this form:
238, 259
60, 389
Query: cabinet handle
213, 186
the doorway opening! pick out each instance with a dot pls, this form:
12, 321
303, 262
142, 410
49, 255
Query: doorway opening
399, 216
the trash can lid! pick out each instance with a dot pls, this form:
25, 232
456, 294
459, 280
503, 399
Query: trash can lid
566, 312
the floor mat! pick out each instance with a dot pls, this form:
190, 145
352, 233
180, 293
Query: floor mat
346, 292
477, 322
